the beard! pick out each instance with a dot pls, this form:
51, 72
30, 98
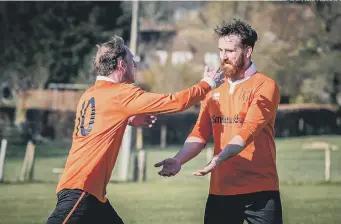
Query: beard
231, 69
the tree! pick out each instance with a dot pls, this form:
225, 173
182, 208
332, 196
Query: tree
48, 42
298, 43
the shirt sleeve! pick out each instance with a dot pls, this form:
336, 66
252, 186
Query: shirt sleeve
263, 108
203, 126
136, 101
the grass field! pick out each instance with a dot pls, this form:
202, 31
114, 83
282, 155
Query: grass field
181, 199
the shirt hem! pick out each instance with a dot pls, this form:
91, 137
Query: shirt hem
101, 199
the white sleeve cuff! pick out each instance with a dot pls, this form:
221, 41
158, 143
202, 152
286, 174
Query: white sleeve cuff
195, 139
210, 81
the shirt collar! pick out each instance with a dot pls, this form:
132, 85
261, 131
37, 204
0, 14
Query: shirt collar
104, 78
251, 70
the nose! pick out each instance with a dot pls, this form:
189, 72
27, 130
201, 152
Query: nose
225, 57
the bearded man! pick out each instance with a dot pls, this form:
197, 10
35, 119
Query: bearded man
240, 116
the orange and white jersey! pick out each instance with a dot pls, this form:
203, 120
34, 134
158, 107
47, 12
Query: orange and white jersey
247, 108
101, 118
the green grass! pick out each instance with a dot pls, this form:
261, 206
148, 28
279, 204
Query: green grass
168, 201
180, 199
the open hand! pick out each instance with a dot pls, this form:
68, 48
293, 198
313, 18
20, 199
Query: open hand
209, 168
171, 167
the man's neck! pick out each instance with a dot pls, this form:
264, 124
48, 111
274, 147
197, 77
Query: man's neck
117, 77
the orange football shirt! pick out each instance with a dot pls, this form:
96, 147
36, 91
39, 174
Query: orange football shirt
101, 118
247, 108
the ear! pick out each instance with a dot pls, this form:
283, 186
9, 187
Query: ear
122, 65
249, 51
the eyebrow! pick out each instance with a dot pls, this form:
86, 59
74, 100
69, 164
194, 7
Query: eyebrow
230, 49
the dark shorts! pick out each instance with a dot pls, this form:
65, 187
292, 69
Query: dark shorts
256, 208
76, 206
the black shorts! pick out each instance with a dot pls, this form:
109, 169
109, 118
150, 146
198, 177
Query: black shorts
256, 208
76, 206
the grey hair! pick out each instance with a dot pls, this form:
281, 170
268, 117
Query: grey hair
108, 55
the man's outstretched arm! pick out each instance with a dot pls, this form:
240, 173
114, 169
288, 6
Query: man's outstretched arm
194, 144
191, 148
172, 166
136, 101
233, 148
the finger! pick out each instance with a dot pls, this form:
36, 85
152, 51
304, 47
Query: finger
199, 173
217, 70
159, 163
164, 173
173, 172
151, 121
148, 125
205, 70
152, 117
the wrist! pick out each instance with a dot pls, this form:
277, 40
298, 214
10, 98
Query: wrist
218, 160
178, 160
210, 81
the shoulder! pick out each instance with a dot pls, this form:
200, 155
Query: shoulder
262, 78
129, 87
261, 81
129, 91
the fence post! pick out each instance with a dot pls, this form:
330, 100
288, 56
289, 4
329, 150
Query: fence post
2, 158
163, 136
327, 163
27, 170
140, 160
140, 166
301, 125
327, 153
139, 138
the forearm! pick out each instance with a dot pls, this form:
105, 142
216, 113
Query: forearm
192, 147
233, 148
141, 102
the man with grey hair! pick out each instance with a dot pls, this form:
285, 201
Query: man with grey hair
103, 113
